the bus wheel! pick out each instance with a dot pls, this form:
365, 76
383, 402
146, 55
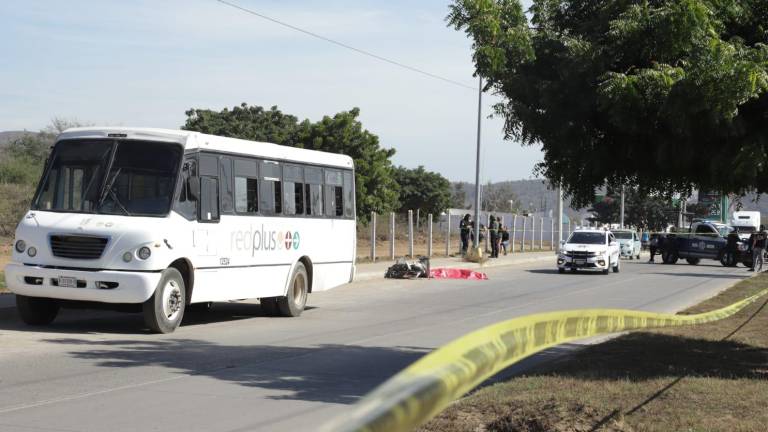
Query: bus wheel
164, 311
37, 310
292, 305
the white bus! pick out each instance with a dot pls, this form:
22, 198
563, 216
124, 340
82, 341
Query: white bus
162, 219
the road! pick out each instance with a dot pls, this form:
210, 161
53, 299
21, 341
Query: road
234, 370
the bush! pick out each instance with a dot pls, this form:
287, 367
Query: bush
13, 205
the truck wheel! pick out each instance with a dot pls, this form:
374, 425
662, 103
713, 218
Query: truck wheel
728, 259
608, 268
292, 304
669, 257
561, 270
616, 268
693, 261
36, 310
164, 311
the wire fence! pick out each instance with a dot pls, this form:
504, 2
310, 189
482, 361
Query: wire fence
392, 235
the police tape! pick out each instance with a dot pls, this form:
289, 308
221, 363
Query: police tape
426, 387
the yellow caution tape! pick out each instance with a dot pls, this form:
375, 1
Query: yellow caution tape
426, 387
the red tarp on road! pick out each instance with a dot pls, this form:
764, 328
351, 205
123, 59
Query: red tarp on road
456, 273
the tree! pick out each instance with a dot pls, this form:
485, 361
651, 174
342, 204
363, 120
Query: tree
458, 196
421, 189
664, 94
640, 210
497, 197
342, 133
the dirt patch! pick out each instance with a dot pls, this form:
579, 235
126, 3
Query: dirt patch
556, 417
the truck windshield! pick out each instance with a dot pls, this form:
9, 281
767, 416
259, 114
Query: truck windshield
623, 235
587, 238
111, 177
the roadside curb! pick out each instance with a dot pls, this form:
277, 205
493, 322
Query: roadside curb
367, 275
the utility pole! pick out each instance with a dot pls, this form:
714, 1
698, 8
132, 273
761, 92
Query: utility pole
477, 162
621, 222
559, 216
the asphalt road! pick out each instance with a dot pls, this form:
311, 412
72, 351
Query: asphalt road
235, 370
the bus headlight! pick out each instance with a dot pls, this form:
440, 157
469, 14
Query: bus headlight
20, 246
32, 251
144, 252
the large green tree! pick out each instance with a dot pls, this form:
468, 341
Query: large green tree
341, 133
664, 94
421, 189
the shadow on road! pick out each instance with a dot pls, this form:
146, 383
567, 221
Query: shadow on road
327, 373
83, 320
734, 276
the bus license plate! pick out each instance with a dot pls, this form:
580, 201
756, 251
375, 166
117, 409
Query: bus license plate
67, 282
580, 262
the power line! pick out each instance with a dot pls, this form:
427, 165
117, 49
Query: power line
343, 45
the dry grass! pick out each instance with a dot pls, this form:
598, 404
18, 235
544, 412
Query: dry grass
5, 255
712, 377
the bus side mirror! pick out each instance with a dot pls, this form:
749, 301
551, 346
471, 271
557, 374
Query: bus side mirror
193, 188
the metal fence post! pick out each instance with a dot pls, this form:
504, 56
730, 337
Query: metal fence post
533, 233
392, 235
373, 236
429, 235
541, 233
522, 240
512, 240
552, 234
448, 234
410, 233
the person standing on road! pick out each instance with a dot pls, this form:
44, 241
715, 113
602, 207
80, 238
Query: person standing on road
758, 248
653, 246
465, 228
493, 232
504, 239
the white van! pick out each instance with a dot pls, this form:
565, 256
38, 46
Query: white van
163, 219
745, 223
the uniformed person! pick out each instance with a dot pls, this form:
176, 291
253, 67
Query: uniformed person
465, 227
493, 232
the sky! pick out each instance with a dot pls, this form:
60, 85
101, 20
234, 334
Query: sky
145, 62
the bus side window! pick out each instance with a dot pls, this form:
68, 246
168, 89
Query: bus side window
334, 196
271, 201
349, 194
246, 186
293, 190
225, 176
187, 202
313, 189
209, 199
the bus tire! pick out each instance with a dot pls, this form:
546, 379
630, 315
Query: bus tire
269, 306
292, 304
37, 310
164, 311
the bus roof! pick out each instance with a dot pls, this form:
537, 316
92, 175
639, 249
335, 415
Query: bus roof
196, 140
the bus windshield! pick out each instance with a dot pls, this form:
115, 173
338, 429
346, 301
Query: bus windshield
110, 177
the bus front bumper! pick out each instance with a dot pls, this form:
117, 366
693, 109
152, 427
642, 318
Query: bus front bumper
106, 286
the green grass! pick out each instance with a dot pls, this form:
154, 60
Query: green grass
712, 377
3, 289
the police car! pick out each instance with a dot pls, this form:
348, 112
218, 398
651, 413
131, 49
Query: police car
589, 249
